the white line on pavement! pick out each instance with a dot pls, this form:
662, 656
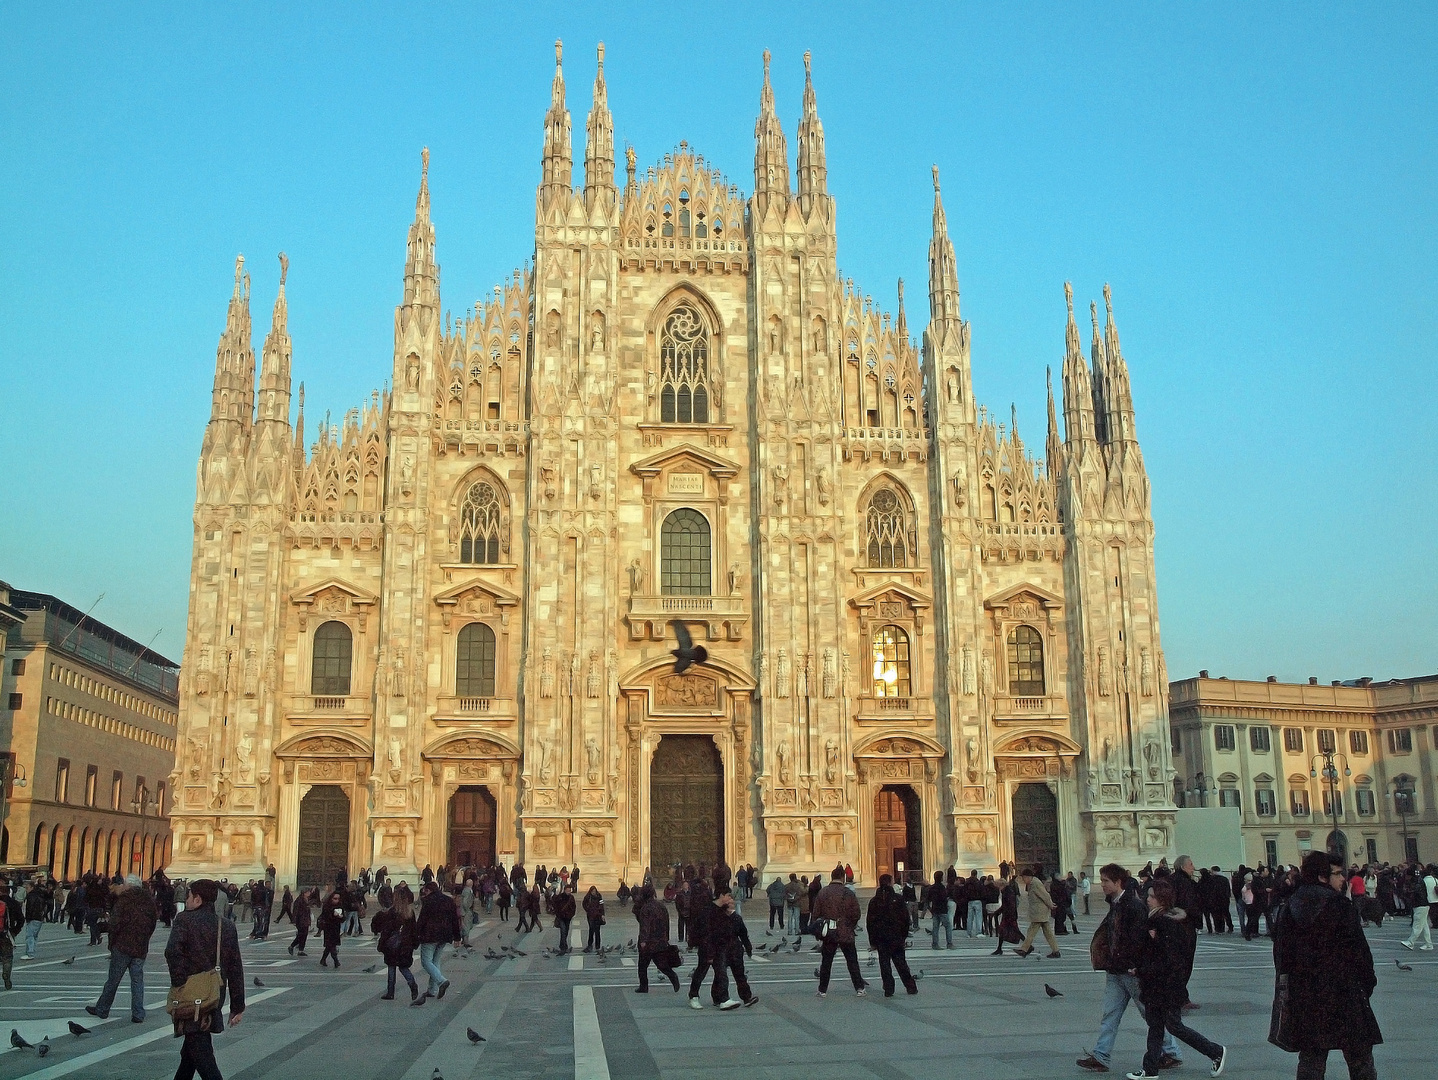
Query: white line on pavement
589, 1060
576, 963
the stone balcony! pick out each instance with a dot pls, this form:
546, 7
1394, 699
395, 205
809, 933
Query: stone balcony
888, 710
886, 443
1009, 709
452, 710
334, 710
724, 616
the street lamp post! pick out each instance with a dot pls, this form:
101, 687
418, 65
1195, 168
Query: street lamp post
1199, 790
1329, 772
1403, 802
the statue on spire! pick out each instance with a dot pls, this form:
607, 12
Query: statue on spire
285, 268
936, 179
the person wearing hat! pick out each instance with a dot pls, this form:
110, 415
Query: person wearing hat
133, 916
196, 936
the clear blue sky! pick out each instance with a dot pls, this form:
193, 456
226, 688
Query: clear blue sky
1257, 182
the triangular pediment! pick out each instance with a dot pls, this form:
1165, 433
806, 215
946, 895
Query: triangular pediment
353, 593
652, 466
1014, 595
455, 593
891, 590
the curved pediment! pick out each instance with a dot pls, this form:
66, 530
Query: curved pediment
323, 744
899, 744
1037, 742
469, 744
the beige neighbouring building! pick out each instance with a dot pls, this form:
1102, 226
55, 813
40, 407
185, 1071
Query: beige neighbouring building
440, 633
1260, 747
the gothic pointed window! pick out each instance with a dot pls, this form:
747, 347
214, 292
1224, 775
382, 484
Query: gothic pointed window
684, 554
891, 662
889, 537
480, 525
474, 662
684, 368
1026, 662
330, 670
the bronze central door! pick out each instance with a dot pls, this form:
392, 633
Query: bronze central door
897, 832
324, 835
1036, 827
686, 803
471, 828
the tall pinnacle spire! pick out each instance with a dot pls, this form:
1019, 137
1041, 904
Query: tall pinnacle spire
1099, 357
771, 153
813, 172
275, 359
599, 146
901, 325
1053, 445
558, 163
1078, 391
233, 395
421, 272
1117, 392
943, 266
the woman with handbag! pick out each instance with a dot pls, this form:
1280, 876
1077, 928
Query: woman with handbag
397, 936
203, 956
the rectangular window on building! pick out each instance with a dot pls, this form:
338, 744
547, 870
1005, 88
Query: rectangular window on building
1332, 806
1223, 737
1358, 742
1228, 796
160, 799
1258, 740
1263, 802
1270, 851
92, 782
1400, 741
1372, 846
16, 700
62, 779
1293, 740
1364, 798
1298, 802
17, 667
117, 789
1326, 741
140, 793
1175, 740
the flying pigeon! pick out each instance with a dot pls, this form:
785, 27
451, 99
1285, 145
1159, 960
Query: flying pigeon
43, 1048
1051, 992
76, 1030
1402, 966
257, 981
688, 653
474, 1036
67, 963
17, 1041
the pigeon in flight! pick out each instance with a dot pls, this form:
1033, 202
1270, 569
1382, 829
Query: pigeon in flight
1051, 992
18, 1041
77, 1030
1402, 966
474, 1036
688, 653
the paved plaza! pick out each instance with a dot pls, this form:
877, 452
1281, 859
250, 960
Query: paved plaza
576, 1017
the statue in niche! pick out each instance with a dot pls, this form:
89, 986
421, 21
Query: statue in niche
828, 673
596, 333
636, 577
197, 758
967, 671
971, 754
546, 673
244, 751
823, 485
782, 753
221, 791
252, 674
734, 579
406, 475
549, 480
591, 682
1110, 766
411, 372
780, 473
591, 758
1153, 756
776, 335
820, 344
551, 330
781, 674
1092, 784
546, 763
596, 480
831, 762
1145, 672
396, 757
1103, 671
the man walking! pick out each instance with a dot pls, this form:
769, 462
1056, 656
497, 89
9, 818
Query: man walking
11, 919
1424, 894
654, 946
1040, 911
438, 926
775, 892
791, 905
198, 934
133, 916
836, 913
936, 899
1115, 950
564, 908
37, 911
888, 933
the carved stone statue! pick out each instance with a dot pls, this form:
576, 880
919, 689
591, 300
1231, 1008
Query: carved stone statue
411, 372
1091, 782
780, 473
831, 762
546, 763
591, 758
781, 675
396, 757
596, 333
824, 486
636, 577
244, 751
1110, 767
197, 758
967, 671
1153, 757
828, 673
734, 579
782, 753
406, 474
596, 480
971, 756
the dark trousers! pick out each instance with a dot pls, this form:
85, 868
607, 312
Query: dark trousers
1170, 1017
593, 940
563, 934
826, 962
734, 962
707, 961
648, 955
92, 919
301, 936
197, 1055
1312, 1064
776, 915
891, 960
408, 977
1250, 928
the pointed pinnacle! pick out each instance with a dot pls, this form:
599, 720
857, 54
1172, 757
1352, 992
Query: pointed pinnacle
558, 51
936, 179
239, 272
1069, 298
1108, 300
424, 162
284, 268
1093, 316
601, 56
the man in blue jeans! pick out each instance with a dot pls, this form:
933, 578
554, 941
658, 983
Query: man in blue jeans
1120, 937
936, 899
132, 923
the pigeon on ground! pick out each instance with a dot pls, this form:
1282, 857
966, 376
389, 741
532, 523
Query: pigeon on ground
77, 1030
631, 944
872, 962
43, 1048
490, 954
17, 1041
1051, 992
1402, 966
798, 945
816, 974
474, 1036
688, 653
919, 974
67, 963
257, 981
519, 952
435, 1075
371, 969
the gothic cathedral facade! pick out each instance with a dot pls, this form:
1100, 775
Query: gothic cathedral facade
441, 635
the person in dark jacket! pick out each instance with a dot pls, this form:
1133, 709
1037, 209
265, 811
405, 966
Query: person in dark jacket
287, 907
330, 924
729, 940
1164, 965
97, 903
1318, 944
888, 922
38, 902
300, 916
133, 916
594, 914
12, 920
654, 947
936, 902
564, 908
836, 911
197, 934
396, 932
438, 926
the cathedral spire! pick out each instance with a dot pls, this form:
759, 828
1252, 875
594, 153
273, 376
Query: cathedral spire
1099, 357
421, 272
771, 153
901, 325
558, 163
813, 172
234, 386
275, 359
943, 267
1053, 445
599, 146
1117, 392
1078, 391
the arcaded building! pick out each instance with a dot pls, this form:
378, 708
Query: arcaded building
439, 633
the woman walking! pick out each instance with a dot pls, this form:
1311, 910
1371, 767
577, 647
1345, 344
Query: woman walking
300, 916
594, 912
287, 906
331, 923
1164, 965
397, 932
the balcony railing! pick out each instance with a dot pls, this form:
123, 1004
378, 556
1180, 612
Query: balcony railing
336, 704
480, 708
894, 704
1028, 705
650, 606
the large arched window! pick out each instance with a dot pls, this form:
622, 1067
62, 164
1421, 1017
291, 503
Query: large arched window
474, 662
330, 672
888, 535
891, 662
1026, 662
684, 368
684, 560
480, 524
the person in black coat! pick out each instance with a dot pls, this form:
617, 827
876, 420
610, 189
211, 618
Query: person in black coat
654, 947
888, 921
564, 908
330, 924
396, 934
1164, 965
300, 916
197, 934
1318, 944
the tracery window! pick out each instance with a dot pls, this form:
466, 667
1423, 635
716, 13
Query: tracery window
1026, 662
474, 662
889, 537
480, 525
684, 368
330, 670
890, 649
684, 559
